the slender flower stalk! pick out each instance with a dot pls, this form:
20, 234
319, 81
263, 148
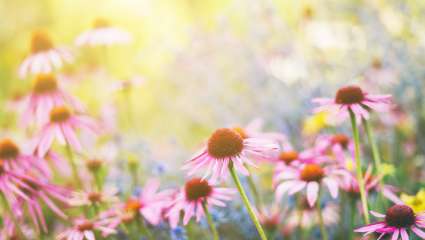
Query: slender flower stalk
73, 165
246, 202
359, 173
320, 218
254, 191
210, 221
375, 151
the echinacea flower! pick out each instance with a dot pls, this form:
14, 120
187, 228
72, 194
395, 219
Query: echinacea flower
149, 204
310, 176
62, 125
337, 146
191, 197
353, 99
84, 228
270, 217
88, 198
227, 146
38, 191
396, 222
103, 34
14, 160
44, 57
46, 95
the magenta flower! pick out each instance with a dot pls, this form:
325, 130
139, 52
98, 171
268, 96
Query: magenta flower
44, 57
38, 191
149, 204
103, 34
353, 98
46, 95
85, 229
397, 221
190, 199
62, 125
310, 176
225, 146
336, 146
15, 161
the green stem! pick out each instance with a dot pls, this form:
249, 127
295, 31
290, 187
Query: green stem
210, 221
246, 202
145, 230
375, 151
73, 165
359, 172
320, 217
253, 188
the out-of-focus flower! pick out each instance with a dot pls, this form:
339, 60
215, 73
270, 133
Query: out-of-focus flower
46, 95
353, 99
416, 202
227, 146
9, 230
62, 125
294, 179
270, 217
387, 169
44, 56
313, 124
38, 191
191, 197
378, 75
306, 216
85, 229
15, 161
103, 34
88, 198
338, 147
150, 204
397, 221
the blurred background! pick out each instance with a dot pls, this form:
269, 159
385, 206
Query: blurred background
199, 65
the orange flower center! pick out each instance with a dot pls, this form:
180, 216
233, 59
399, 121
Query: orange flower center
340, 139
94, 164
101, 23
60, 114
85, 225
400, 216
8, 149
197, 189
288, 156
40, 42
94, 197
312, 173
349, 95
45, 83
225, 143
132, 205
377, 63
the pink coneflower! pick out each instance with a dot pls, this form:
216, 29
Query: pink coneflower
17, 162
351, 186
62, 125
44, 57
310, 176
191, 197
337, 146
228, 146
149, 204
85, 229
103, 34
88, 198
397, 221
46, 95
270, 217
353, 99
38, 191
